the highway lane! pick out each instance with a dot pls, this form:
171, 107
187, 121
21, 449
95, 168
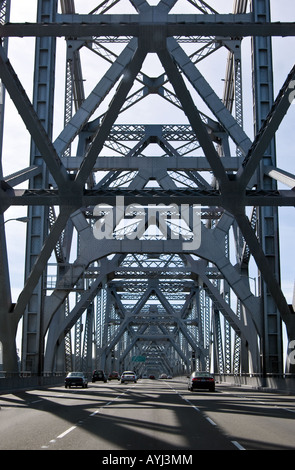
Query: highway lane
150, 415
257, 420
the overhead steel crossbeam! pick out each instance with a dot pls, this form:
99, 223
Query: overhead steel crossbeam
127, 260
202, 196
230, 25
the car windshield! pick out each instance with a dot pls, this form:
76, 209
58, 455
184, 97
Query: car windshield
75, 374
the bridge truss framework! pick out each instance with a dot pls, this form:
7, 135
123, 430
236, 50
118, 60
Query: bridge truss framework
140, 235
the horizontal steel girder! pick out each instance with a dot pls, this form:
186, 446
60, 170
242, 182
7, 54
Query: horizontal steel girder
211, 197
81, 26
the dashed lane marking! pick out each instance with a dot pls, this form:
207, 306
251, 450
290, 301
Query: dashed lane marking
66, 432
95, 412
211, 421
235, 443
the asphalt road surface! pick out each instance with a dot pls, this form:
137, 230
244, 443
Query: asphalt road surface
151, 415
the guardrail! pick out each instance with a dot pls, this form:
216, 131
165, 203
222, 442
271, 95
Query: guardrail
24, 380
282, 382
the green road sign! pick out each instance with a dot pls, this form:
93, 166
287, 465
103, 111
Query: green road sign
138, 358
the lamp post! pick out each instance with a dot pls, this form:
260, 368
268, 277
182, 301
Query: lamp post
18, 219
253, 279
7, 328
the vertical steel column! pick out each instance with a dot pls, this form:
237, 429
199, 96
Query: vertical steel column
87, 345
7, 339
268, 216
77, 346
100, 325
4, 17
43, 97
218, 357
105, 325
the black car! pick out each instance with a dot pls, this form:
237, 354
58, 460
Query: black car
201, 380
99, 376
76, 379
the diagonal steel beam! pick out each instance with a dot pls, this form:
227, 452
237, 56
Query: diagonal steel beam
41, 261
267, 132
209, 97
31, 120
263, 266
95, 98
141, 6
22, 175
193, 115
127, 81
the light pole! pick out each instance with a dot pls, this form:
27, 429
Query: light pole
253, 279
18, 219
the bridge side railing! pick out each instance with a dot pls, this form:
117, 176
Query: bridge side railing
10, 381
282, 382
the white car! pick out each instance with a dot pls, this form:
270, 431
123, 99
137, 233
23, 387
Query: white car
128, 376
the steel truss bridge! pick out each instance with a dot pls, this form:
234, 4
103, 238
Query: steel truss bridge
147, 200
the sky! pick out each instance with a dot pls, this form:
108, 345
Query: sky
16, 140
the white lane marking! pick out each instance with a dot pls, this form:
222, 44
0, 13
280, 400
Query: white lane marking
238, 445
185, 399
255, 400
235, 443
66, 432
210, 421
287, 409
52, 441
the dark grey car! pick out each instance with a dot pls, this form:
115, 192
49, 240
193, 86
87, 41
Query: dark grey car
201, 380
76, 379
